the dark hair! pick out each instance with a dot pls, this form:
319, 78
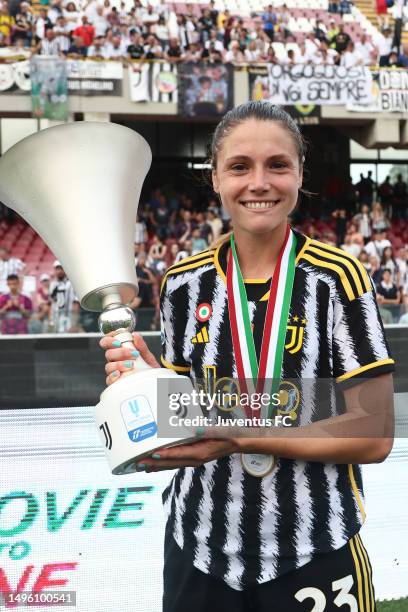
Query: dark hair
262, 111
12, 277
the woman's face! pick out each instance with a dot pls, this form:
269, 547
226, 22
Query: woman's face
258, 175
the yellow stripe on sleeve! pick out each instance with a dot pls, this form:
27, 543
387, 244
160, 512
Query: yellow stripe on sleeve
370, 366
171, 366
367, 572
363, 565
352, 260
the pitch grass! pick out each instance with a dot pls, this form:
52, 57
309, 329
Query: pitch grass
400, 605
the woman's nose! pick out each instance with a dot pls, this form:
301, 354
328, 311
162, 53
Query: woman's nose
259, 180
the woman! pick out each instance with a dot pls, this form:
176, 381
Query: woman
379, 220
388, 262
236, 540
364, 222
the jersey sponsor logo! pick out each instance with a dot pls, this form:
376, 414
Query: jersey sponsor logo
296, 331
203, 312
201, 337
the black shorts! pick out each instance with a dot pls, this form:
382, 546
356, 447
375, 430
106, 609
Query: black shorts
339, 581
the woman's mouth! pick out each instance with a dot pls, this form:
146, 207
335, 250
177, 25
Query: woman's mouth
260, 204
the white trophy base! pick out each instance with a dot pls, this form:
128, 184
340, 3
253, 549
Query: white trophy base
126, 417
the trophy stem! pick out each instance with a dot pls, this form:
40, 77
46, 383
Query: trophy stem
121, 320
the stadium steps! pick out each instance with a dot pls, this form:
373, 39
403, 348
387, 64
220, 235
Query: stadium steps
368, 10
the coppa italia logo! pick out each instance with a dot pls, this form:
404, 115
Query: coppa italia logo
21, 511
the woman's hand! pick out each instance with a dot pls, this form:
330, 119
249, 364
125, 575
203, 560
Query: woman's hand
120, 358
188, 455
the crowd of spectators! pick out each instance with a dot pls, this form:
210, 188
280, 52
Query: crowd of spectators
99, 30
170, 226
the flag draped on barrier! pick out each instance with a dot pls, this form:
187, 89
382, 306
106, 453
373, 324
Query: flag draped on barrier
49, 92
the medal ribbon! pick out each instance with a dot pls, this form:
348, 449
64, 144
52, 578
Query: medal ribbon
273, 339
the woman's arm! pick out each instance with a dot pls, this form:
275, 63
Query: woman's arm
364, 434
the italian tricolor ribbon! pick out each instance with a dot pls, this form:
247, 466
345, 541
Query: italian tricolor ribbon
268, 372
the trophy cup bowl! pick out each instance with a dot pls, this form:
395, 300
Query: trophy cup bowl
78, 185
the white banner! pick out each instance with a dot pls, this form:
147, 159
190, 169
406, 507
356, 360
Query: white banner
390, 93
308, 84
95, 78
153, 82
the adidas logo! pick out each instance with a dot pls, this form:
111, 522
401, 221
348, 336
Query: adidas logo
201, 337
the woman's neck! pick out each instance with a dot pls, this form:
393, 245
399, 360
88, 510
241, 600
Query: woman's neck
258, 253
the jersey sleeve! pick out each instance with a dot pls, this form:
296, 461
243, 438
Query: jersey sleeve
172, 326
360, 349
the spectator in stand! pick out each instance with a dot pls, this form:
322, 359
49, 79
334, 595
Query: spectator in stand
320, 31
365, 188
215, 224
252, 53
302, 56
159, 218
282, 27
72, 16
15, 308
24, 25
100, 22
194, 53
149, 19
40, 320
377, 245
62, 297
7, 23
186, 252
116, 49
356, 236
350, 246
9, 265
290, 59
77, 49
388, 263
157, 256
234, 54
312, 44
385, 193
403, 58
135, 50
379, 220
55, 11
198, 243
365, 48
363, 221
146, 281
404, 317
375, 268
270, 20
152, 49
341, 39
162, 32
86, 31
48, 45
400, 198
97, 50
387, 291
332, 32
384, 44
340, 215
62, 34
350, 57
140, 231
174, 53
393, 61
325, 55
402, 263
41, 24
363, 258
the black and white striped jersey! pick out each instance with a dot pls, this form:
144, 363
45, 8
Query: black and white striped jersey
237, 527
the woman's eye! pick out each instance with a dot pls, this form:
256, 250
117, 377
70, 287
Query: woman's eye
278, 165
238, 167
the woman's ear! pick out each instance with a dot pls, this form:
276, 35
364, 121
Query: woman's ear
215, 181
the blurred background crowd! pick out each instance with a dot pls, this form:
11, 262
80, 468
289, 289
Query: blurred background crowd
191, 32
367, 220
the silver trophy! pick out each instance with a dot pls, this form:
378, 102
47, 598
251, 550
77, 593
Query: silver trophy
78, 185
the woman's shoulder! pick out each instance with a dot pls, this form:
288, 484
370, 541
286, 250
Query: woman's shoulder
338, 268
196, 264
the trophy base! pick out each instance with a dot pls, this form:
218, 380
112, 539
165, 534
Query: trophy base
126, 417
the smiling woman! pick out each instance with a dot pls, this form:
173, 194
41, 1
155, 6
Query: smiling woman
267, 522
